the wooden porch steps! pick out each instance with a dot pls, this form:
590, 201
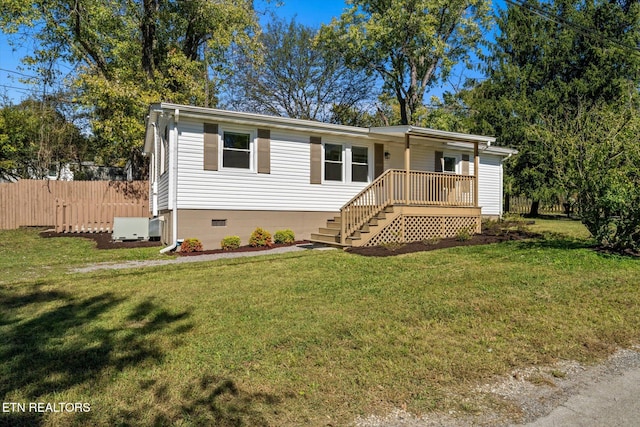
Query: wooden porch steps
330, 235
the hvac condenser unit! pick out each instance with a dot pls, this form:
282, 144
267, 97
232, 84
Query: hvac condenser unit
155, 228
125, 228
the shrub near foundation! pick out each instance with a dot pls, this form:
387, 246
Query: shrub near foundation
191, 245
260, 237
284, 236
230, 243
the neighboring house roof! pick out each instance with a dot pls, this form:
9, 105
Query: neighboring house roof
454, 139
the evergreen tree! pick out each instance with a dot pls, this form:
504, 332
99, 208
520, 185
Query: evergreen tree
548, 58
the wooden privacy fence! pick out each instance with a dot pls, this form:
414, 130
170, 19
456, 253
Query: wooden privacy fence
81, 216
522, 205
72, 206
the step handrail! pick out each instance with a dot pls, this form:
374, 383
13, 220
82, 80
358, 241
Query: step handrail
425, 188
368, 203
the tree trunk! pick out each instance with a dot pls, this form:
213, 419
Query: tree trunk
535, 205
148, 29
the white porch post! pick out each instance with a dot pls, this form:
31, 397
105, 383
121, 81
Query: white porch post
476, 164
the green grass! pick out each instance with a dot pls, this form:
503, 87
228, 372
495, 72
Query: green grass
306, 338
567, 228
25, 255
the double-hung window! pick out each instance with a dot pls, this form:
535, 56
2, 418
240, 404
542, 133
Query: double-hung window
359, 164
236, 150
346, 163
333, 162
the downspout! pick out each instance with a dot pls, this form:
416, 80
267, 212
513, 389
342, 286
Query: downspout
154, 174
173, 179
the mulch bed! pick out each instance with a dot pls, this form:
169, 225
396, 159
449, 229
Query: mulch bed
243, 249
407, 248
103, 240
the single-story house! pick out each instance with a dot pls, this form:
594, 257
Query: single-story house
216, 173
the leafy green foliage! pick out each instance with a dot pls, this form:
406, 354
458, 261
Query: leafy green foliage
230, 243
191, 245
129, 54
599, 159
260, 237
34, 136
409, 44
463, 235
540, 69
284, 236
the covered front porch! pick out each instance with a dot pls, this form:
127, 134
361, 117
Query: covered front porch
404, 204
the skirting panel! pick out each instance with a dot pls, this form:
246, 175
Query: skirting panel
413, 228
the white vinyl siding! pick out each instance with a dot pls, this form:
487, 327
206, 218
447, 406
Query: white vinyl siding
287, 187
490, 184
163, 192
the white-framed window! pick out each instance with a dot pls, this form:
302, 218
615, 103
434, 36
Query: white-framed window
359, 164
451, 163
237, 149
347, 163
333, 162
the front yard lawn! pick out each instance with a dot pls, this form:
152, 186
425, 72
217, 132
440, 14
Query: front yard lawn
305, 338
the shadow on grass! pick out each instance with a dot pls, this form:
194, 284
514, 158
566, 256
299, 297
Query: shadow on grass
221, 401
53, 341
210, 400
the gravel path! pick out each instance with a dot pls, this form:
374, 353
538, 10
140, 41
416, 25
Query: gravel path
198, 258
565, 394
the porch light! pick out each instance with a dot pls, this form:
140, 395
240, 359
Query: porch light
387, 155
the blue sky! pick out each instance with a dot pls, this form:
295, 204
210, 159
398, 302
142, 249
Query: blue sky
308, 12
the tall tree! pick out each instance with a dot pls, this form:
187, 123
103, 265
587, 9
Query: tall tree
34, 137
297, 77
409, 44
548, 58
598, 159
127, 54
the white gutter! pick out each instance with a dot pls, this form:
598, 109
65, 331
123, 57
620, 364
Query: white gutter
173, 179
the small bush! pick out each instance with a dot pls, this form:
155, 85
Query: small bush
230, 243
431, 241
284, 236
191, 245
260, 237
463, 235
493, 227
392, 246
